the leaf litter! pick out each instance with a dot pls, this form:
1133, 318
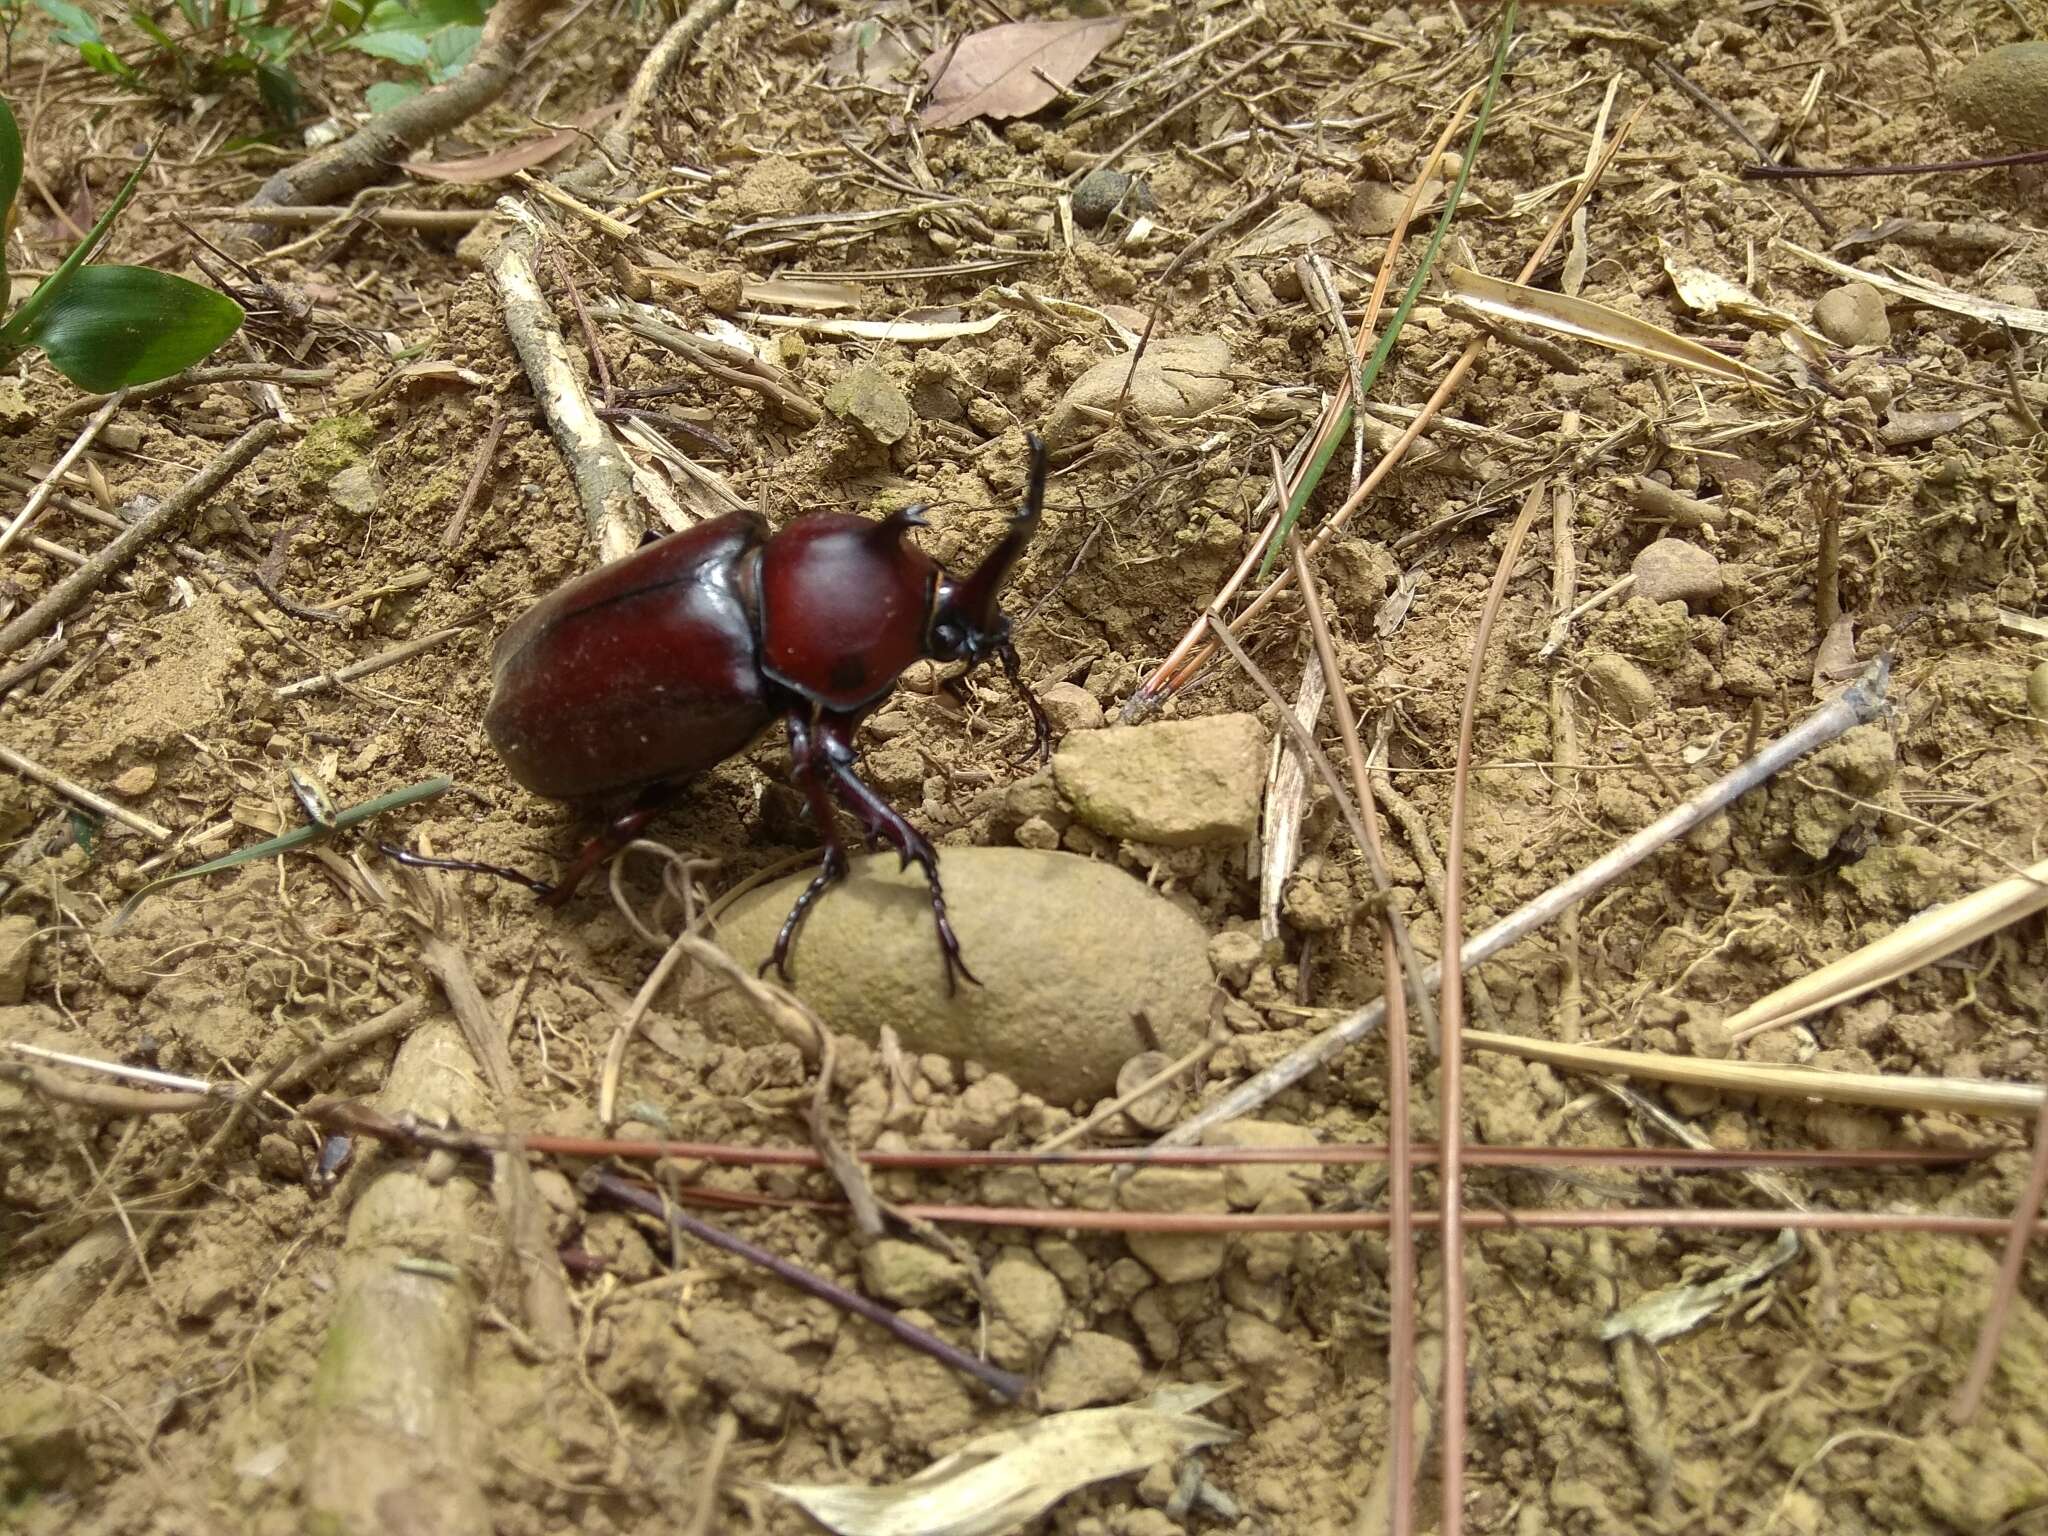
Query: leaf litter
1013, 69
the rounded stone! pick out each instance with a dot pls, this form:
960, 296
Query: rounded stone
1671, 570
1621, 688
1852, 316
1068, 951
2005, 90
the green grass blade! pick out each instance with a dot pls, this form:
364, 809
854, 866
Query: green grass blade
1384, 350
298, 837
10, 184
53, 286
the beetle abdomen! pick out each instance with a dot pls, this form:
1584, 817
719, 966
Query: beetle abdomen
643, 670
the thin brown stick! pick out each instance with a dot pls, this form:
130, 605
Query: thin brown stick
368, 154
178, 506
1970, 1396
1450, 1091
93, 801
1771, 170
486, 452
1688, 1218
352, 1116
320, 682
195, 378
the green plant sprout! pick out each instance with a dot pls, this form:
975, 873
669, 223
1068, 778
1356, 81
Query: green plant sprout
105, 327
230, 40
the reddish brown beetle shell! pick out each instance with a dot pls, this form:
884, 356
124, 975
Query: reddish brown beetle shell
642, 671
845, 606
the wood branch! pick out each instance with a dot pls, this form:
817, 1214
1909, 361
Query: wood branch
369, 154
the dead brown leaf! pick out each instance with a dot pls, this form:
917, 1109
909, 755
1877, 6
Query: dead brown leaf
525, 155
1012, 70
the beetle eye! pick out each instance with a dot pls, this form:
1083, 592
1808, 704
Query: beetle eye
947, 639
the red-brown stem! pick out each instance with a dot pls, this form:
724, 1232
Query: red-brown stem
1400, 1161
1971, 1395
1425, 1154
1486, 1219
1451, 1000
1938, 167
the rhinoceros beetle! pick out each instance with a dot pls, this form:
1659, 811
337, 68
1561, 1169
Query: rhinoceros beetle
629, 679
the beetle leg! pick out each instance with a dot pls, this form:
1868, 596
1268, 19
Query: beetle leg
808, 767
1041, 727
628, 825
831, 743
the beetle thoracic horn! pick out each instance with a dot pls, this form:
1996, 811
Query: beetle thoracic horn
978, 595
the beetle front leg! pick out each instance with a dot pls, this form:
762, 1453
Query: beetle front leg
833, 743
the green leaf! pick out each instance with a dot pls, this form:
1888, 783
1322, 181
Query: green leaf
117, 326
386, 94
10, 183
102, 58
279, 88
450, 49
14, 335
75, 24
399, 47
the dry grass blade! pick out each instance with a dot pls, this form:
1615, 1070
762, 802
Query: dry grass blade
1919, 290
1875, 1090
1515, 304
907, 331
1922, 941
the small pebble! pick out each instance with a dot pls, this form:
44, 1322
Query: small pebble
1071, 707
1090, 1368
1233, 954
1159, 1108
1026, 1305
872, 401
1621, 687
1102, 192
139, 780
1852, 316
909, 1274
1671, 570
17, 953
1183, 783
722, 292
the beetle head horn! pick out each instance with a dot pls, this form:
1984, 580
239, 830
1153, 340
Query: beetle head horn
976, 598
